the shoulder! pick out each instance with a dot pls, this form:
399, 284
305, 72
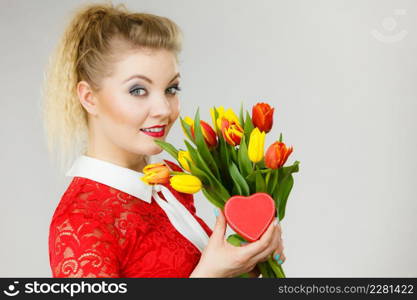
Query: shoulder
87, 204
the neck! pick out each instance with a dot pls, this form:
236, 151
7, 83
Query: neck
131, 161
102, 149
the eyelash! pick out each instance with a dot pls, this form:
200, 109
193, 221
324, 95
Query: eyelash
132, 91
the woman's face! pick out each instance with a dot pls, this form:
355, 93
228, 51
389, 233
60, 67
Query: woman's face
141, 93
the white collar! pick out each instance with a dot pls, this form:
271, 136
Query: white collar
128, 181
121, 178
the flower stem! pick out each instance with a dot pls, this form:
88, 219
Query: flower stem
276, 268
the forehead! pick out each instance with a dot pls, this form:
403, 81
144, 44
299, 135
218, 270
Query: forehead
158, 64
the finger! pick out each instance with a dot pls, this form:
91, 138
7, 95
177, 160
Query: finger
283, 258
219, 229
260, 245
279, 229
278, 255
274, 245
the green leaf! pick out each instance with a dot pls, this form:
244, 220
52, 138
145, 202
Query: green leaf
202, 146
290, 169
261, 164
284, 189
233, 152
240, 182
277, 269
224, 171
252, 176
241, 120
213, 181
273, 181
168, 148
224, 156
260, 183
197, 159
244, 275
212, 198
209, 189
248, 127
177, 173
236, 190
187, 129
265, 270
216, 116
268, 176
245, 165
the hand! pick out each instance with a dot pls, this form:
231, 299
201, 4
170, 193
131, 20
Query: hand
278, 255
221, 259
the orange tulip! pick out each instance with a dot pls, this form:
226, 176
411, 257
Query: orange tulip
232, 131
262, 116
156, 174
276, 155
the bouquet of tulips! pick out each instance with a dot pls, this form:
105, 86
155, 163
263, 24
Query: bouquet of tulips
228, 159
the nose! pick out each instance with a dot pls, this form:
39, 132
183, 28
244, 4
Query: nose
161, 109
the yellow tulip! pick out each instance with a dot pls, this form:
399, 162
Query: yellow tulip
220, 112
256, 145
155, 174
189, 184
189, 121
227, 125
230, 115
184, 159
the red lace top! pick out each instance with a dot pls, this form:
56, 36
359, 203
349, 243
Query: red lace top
99, 231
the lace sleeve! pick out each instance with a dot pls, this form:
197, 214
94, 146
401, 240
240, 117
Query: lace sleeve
80, 246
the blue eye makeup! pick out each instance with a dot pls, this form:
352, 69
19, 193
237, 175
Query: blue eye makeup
176, 88
138, 90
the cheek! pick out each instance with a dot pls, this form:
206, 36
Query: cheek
119, 113
175, 110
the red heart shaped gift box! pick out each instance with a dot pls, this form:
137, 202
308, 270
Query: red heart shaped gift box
250, 216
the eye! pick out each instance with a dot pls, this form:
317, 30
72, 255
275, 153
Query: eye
136, 91
174, 89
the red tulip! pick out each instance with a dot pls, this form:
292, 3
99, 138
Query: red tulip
262, 116
276, 155
210, 136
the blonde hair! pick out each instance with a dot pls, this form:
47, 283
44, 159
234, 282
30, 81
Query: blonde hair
88, 47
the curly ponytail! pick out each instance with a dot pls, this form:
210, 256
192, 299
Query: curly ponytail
89, 45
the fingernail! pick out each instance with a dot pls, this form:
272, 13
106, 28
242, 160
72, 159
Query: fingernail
275, 222
276, 257
280, 262
216, 211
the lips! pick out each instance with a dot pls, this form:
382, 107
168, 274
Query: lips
156, 133
156, 126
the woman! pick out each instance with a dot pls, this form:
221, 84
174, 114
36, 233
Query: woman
113, 77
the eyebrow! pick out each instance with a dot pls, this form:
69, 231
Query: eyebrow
147, 79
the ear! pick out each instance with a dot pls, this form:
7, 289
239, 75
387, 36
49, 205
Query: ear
86, 97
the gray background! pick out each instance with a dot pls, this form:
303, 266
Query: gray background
342, 76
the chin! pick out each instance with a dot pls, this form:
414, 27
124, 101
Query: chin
155, 150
